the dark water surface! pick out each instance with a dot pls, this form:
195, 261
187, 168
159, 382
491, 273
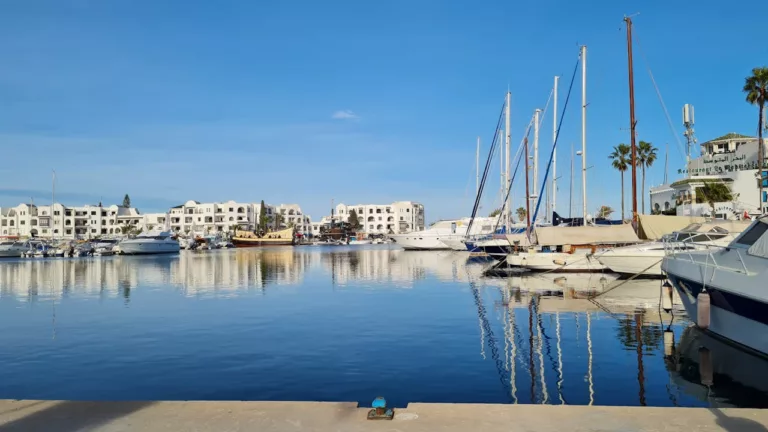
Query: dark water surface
349, 324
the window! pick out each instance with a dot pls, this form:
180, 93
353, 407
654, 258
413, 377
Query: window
751, 236
407, 210
20, 223
56, 213
45, 231
93, 213
69, 231
93, 231
666, 205
370, 226
370, 211
379, 217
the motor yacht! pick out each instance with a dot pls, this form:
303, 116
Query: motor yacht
435, 237
13, 249
149, 243
730, 283
646, 258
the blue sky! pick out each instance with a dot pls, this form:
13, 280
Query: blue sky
355, 101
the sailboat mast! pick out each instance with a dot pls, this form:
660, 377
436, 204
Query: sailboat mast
527, 188
632, 121
503, 191
507, 148
477, 167
53, 202
584, 132
554, 152
570, 194
666, 160
536, 115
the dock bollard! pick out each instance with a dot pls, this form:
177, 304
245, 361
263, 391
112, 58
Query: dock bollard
379, 410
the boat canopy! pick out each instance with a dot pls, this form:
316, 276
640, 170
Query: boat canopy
586, 235
654, 227
757, 232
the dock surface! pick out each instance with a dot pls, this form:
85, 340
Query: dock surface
69, 416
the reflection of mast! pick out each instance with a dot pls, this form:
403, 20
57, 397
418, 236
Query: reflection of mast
640, 368
589, 360
530, 347
513, 354
559, 360
540, 342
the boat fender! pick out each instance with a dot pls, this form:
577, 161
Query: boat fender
559, 262
666, 296
702, 309
706, 372
669, 342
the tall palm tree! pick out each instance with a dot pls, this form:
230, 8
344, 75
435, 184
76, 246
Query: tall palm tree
756, 88
521, 213
646, 156
621, 161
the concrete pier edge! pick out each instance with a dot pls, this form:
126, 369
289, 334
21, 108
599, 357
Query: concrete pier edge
215, 416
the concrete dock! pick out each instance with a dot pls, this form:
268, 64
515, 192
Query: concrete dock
69, 416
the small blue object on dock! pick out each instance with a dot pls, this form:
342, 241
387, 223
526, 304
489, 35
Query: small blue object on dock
380, 411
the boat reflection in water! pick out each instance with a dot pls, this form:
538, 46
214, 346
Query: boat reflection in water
717, 372
296, 323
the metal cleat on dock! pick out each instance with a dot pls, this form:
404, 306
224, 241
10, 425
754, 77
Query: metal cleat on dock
380, 411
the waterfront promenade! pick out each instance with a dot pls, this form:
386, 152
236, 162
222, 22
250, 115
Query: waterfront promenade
69, 416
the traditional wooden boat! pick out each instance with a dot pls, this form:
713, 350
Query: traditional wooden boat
284, 237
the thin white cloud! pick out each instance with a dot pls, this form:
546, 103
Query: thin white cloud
345, 115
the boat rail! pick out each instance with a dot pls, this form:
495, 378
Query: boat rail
674, 250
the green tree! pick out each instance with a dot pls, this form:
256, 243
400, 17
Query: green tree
495, 212
263, 217
621, 160
646, 156
756, 88
126, 201
604, 211
279, 219
521, 213
713, 192
354, 222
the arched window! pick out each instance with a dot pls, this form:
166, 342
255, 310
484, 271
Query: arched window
666, 205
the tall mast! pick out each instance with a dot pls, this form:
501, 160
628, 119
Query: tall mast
535, 193
584, 132
503, 191
53, 202
570, 194
632, 121
554, 152
507, 148
527, 188
477, 167
666, 167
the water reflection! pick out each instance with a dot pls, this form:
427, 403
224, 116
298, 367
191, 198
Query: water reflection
317, 323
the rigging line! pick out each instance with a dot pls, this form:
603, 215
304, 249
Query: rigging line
482, 314
557, 136
487, 168
658, 93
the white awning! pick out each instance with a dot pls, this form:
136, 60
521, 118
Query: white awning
586, 235
653, 227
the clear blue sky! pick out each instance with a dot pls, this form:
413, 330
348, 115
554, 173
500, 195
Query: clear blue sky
306, 101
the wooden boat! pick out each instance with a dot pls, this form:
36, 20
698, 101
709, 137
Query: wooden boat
284, 237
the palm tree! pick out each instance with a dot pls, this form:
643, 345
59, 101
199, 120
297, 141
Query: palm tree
646, 156
521, 213
621, 161
756, 88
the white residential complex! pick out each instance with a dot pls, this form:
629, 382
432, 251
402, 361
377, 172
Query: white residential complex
193, 216
27, 220
398, 217
30, 220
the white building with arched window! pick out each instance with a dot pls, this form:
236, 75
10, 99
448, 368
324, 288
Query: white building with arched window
398, 217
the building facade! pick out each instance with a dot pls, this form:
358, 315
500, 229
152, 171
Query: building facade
62, 222
196, 217
398, 217
731, 160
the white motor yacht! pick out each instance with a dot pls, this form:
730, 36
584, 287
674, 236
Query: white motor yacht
646, 257
734, 279
13, 249
149, 243
436, 236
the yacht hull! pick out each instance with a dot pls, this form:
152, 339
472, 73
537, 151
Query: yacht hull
242, 243
648, 264
738, 318
413, 241
148, 248
556, 261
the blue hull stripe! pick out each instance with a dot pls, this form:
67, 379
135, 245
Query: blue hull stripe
743, 306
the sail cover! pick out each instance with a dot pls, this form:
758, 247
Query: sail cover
586, 235
653, 227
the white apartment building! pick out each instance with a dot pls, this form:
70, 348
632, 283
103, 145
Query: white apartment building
193, 216
398, 217
60, 221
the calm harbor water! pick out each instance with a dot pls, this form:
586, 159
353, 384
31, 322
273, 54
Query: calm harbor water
349, 324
